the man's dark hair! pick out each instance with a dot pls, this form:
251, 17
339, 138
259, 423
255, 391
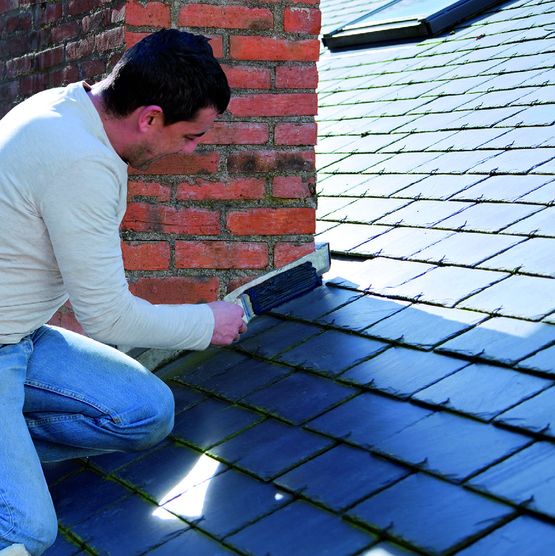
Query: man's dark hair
171, 69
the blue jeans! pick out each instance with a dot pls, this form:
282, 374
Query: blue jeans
62, 396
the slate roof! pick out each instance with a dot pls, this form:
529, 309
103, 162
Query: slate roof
406, 405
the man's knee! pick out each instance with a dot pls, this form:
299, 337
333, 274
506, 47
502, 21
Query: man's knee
154, 421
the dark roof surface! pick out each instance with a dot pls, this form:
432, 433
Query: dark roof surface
406, 405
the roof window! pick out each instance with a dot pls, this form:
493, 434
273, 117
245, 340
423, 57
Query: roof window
398, 20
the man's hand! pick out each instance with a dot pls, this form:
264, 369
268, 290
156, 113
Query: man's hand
228, 322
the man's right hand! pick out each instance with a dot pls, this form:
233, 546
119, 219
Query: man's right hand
228, 322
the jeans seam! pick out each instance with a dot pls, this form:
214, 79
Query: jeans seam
74, 396
11, 520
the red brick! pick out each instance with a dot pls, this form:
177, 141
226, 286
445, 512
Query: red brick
246, 77
285, 253
109, 39
17, 22
242, 188
225, 17
64, 31
156, 190
295, 134
220, 254
7, 5
292, 187
146, 255
144, 217
217, 44
152, 14
264, 161
50, 58
237, 133
19, 66
76, 7
271, 221
131, 38
302, 20
198, 163
177, 289
239, 281
268, 48
80, 49
270, 104
49, 12
93, 69
300, 76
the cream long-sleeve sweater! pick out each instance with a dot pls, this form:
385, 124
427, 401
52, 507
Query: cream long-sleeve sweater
62, 198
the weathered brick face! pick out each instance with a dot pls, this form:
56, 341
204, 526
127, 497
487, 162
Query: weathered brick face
197, 225
52, 43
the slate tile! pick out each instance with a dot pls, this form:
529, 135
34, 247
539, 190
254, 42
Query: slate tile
401, 372
515, 161
114, 460
483, 390
535, 115
536, 256
62, 547
460, 161
440, 186
331, 352
170, 469
448, 285
256, 326
108, 532
535, 414
519, 296
270, 448
453, 446
318, 302
468, 248
547, 167
280, 337
73, 501
401, 242
211, 422
525, 478
387, 549
299, 397
328, 207
215, 361
241, 380
345, 237
191, 542
419, 141
355, 163
544, 194
381, 275
411, 163
542, 223
430, 514
424, 326
383, 185
227, 503
346, 274
368, 419
342, 476
184, 397
303, 529
365, 211
501, 188
54, 472
363, 312
523, 138
544, 361
525, 536
502, 339
338, 184
488, 217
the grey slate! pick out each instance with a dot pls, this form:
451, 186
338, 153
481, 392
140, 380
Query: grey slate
299, 397
332, 352
483, 390
524, 536
270, 448
368, 419
191, 542
525, 478
502, 339
431, 514
453, 446
402, 372
424, 326
341, 476
543, 360
303, 530
210, 422
536, 414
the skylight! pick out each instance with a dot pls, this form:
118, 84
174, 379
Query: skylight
397, 20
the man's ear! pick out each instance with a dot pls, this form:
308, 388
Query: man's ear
150, 118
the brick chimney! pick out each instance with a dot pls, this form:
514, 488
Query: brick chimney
198, 225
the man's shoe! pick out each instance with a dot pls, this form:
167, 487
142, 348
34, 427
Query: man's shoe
14, 550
